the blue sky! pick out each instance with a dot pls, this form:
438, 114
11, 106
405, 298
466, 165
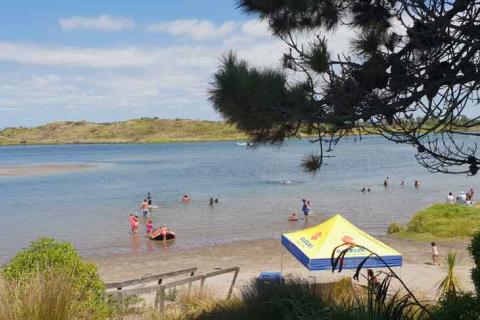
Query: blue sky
107, 60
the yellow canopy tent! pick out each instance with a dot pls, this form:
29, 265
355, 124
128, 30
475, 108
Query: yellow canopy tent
313, 246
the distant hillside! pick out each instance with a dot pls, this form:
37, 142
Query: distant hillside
144, 130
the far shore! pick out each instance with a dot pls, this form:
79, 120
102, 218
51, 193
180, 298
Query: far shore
255, 256
41, 169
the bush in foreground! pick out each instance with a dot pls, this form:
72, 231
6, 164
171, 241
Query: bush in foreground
46, 256
43, 296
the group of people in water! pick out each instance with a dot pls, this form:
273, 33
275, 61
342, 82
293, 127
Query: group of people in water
386, 184
462, 198
306, 209
146, 207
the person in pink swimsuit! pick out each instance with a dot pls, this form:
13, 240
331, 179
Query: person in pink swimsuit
149, 226
133, 223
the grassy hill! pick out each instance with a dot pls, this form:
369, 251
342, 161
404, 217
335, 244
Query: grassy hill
144, 130
440, 221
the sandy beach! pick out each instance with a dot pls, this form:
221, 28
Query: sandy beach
41, 169
268, 255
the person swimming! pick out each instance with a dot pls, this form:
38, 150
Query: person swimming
293, 217
363, 189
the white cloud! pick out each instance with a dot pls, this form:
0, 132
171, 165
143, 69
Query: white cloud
194, 28
112, 83
256, 29
103, 22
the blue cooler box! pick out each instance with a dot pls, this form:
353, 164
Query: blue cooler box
270, 277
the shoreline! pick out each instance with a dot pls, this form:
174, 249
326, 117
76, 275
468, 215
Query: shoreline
42, 169
255, 256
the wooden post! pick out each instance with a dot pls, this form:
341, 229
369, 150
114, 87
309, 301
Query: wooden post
190, 283
234, 279
202, 283
119, 299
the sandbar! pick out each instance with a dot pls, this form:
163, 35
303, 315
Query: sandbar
41, 169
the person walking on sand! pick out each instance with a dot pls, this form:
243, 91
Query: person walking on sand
144, 206
435, 254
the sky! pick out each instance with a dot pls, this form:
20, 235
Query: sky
110, 60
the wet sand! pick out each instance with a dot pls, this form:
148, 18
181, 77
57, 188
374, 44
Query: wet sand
269, 255
41, 169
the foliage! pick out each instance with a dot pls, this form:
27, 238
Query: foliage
451, 284
300, 300
145, 130
47, 255
412, 70
474, 249
43, 296
442, 221
394, 228
462, 307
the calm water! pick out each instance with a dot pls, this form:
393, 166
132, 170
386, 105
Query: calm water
90, 208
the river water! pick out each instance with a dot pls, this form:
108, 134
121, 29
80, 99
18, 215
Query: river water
257, 189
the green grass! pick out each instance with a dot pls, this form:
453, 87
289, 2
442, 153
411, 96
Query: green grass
144, 130
442, 221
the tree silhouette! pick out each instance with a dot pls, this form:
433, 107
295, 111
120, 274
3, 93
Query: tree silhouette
411, 74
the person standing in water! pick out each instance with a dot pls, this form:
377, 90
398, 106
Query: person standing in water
144, 206
417, 184
305, 209
211, 202
149, 198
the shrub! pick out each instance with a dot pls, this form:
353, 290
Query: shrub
44, 296
474, 250
47, 255
394, 228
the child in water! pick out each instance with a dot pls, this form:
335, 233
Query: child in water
149, 226
133, 219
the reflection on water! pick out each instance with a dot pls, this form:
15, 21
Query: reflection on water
257, 190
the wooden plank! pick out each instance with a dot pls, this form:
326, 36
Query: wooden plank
162, 276
234, 279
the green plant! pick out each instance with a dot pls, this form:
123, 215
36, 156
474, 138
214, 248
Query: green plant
43, 296
394, 227
451, 284
474, 249
48, 255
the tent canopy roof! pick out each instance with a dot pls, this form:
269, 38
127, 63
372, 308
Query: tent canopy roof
315, 245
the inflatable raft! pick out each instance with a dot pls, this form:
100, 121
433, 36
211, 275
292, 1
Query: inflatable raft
157, 235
